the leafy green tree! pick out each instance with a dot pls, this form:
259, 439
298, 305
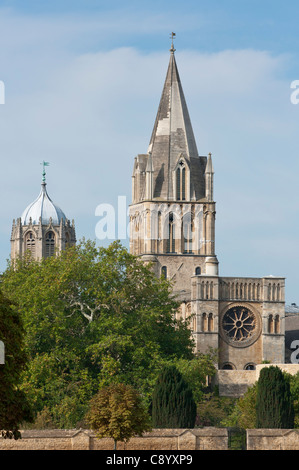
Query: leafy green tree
294, 386
173, 405
274, 404
117, 411
243, 414
93, 317
14, 406
196, 371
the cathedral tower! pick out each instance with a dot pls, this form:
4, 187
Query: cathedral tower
43, 228
172, 216
172, 225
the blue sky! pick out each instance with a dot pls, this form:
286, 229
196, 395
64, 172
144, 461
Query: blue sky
83, 81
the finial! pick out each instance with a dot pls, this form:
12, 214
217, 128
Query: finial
44, 171
172, 36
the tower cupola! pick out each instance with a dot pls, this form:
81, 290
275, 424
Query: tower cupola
43, 229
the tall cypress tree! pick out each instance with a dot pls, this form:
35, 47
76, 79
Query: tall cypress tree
173, 405
274, 405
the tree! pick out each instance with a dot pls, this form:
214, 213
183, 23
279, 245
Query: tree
92, 317
196, 371
294, 385
173, 405
14, 407
274, 404
117, 411
243, 414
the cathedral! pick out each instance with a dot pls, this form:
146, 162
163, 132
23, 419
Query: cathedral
172, 227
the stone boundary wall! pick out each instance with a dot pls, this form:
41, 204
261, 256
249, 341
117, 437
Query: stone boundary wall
159, 439
272, 439
234, 383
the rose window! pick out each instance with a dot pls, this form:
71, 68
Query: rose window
239, 324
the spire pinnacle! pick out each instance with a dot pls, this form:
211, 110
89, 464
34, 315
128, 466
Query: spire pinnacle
44, 171
172, 49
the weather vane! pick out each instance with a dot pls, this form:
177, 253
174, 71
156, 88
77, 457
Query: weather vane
44, 170
172, 36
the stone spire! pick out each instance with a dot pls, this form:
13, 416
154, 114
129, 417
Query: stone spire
209, 174
172, 137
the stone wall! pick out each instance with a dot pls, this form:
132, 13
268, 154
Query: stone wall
272, 439
159, 439
234, 383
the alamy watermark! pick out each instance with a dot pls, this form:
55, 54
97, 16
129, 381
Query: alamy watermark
295, 354
295, 94
152, 221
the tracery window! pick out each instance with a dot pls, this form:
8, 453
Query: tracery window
50, 244
30, 243
239, 324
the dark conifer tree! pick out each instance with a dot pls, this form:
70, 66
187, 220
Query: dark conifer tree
274, 405
173, 405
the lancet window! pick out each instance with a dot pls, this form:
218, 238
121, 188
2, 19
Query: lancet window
50, 244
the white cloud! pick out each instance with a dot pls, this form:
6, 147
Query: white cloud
90, 113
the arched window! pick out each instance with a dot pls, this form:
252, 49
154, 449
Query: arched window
270, 324
178, 184
187, 229
181, 182
164, 272
183, 177
210, 322
50, 244
197, 271
171, 235
277, 324
30, 243
249, 367
228, 366
204, 325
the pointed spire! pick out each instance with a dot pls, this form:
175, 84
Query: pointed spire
172, 134
209, 167
149, 165
209, 177
149, 178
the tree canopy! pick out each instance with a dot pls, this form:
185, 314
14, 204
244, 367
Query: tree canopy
274, 403
117, 411
173, 403
14, 407
92, 317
